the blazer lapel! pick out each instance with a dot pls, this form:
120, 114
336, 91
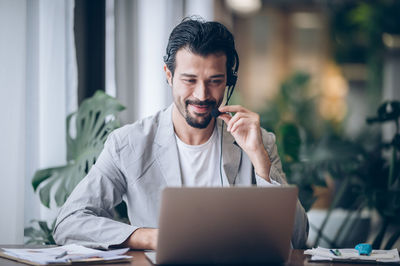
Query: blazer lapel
231, 154
167, 154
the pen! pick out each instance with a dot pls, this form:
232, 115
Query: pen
65, 253
335, 252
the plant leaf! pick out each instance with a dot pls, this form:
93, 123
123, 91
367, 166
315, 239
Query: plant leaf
41, 236
42, 175
289, 138
44, 192
29, 231
44, 227
93, 122
89, 119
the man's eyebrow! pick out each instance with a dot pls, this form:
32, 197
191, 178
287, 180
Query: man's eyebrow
188, 75
194, 76
218, 76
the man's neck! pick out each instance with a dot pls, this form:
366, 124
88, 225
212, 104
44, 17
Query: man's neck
188, 134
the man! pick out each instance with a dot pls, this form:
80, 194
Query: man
179, 146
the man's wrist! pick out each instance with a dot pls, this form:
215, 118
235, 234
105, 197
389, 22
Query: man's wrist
261, 163
143, 238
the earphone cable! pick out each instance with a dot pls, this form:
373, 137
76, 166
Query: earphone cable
228, 97
220, 156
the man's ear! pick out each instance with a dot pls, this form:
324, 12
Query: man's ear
168, 75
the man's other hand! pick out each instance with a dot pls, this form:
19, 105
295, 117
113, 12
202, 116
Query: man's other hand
143, 238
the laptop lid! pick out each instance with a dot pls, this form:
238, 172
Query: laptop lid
200, 225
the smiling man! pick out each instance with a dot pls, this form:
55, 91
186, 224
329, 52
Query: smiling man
178, 146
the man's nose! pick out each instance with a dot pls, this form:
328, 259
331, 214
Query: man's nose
201, 91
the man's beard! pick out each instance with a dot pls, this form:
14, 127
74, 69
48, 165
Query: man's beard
203, 123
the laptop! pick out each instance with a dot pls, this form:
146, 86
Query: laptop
232, 225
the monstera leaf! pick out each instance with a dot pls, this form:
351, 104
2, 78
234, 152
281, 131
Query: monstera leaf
95, 119
41, 236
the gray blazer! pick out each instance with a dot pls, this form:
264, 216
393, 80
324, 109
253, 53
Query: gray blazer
137, 162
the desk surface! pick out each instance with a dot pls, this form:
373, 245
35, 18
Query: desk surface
296, 258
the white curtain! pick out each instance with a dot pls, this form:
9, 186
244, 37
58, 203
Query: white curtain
12, 110
39, 88
57, 83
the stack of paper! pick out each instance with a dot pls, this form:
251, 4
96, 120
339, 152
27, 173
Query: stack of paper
349, 254
64, 255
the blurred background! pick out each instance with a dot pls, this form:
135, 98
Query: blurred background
323, 75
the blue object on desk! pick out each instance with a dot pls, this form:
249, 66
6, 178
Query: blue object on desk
364, 249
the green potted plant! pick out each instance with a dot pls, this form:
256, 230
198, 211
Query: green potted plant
92, 123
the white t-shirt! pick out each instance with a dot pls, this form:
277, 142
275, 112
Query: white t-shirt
200, 165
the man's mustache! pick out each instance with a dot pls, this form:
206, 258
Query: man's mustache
201, 103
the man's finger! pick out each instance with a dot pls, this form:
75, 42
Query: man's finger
237, 124
232, 108
235, 118
225, 117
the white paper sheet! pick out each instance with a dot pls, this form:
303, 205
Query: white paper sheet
72, 252
324, 254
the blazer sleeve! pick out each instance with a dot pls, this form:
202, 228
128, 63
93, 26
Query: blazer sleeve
301, 226
86, 217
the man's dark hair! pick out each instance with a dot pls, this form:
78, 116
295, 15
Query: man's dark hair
202, 38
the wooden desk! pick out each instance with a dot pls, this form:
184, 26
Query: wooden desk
296, 258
